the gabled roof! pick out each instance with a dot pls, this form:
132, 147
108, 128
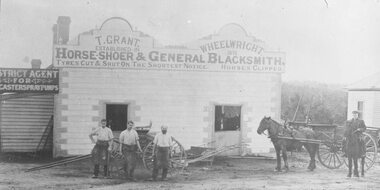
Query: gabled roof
370, 83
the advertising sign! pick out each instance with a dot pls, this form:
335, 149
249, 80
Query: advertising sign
127, 49
29, 80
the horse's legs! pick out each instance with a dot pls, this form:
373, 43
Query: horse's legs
278, 158
356, 172
349, 166
309, 150
285, 157
313, 153
312, 150
362, 165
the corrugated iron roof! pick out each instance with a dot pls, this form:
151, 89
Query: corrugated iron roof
371, 82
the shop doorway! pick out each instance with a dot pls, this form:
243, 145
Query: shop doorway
227, 127
117, 116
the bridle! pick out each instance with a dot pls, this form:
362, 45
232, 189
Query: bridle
277, 127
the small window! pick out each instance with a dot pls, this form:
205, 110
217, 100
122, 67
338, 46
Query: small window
227, 118
117, 116
360, 109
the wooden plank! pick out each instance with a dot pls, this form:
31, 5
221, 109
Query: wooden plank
27, 107
31, 121
27, 116
27, 110
31, 102
20, 95
23, 128
15, 135
28, 100
22, 138
5, 119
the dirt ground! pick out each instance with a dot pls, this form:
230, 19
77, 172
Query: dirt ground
226, 173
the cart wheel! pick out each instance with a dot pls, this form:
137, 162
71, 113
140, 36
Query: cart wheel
147, 156
116, 160
371, 152
177, 160
330, 155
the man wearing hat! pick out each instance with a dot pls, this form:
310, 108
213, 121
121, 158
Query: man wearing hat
355, 126
161, 151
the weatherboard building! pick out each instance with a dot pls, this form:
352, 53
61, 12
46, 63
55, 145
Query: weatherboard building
213, 91
364, 96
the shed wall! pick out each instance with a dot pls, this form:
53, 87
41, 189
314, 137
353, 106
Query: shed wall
23, 121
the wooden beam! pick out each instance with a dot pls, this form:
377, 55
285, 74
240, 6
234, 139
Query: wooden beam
20, 95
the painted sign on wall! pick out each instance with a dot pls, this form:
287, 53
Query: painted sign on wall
29, 80
128, 49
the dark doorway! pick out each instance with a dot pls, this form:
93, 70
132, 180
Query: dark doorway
117, 116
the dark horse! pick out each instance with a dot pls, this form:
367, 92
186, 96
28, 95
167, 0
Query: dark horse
354, 151
275, 130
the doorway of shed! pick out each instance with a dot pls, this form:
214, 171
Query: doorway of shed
117, 116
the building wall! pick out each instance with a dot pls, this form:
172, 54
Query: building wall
376, 110
182, 100
23, 122
371, 106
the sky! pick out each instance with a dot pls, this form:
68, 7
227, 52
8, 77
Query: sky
327, 41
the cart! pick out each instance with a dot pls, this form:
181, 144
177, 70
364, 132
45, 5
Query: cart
330, 138
178, 153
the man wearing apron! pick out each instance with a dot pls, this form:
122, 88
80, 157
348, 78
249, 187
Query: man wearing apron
161, 151
129, 141
103, 144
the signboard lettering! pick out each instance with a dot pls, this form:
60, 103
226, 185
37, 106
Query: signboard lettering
116, 51
29, 80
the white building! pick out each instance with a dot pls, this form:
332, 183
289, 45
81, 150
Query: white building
215, 89
364, 96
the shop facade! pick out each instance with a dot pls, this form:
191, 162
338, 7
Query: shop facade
213, 91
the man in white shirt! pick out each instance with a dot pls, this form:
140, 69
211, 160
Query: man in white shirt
161, 151
129, 141
103, 144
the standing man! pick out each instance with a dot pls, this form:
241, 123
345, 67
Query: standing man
129, 140
356, 126
103, 144
162, 144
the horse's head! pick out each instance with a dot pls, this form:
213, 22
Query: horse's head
264, 125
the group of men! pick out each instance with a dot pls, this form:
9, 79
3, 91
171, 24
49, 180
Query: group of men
129, 145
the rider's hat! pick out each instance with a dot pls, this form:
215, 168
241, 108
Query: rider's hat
355, 112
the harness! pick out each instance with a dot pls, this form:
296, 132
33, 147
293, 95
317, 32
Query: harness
280, 130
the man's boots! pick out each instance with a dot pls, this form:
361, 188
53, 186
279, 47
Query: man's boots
356, 173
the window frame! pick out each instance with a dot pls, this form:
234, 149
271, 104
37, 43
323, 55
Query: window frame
224, 119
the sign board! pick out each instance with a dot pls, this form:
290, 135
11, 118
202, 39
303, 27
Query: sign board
232, 50
29, 80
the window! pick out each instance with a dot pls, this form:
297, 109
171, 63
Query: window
227, 118
117, 116
360, 109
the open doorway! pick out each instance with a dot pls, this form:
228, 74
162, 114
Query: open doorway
227, 127
117, 116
